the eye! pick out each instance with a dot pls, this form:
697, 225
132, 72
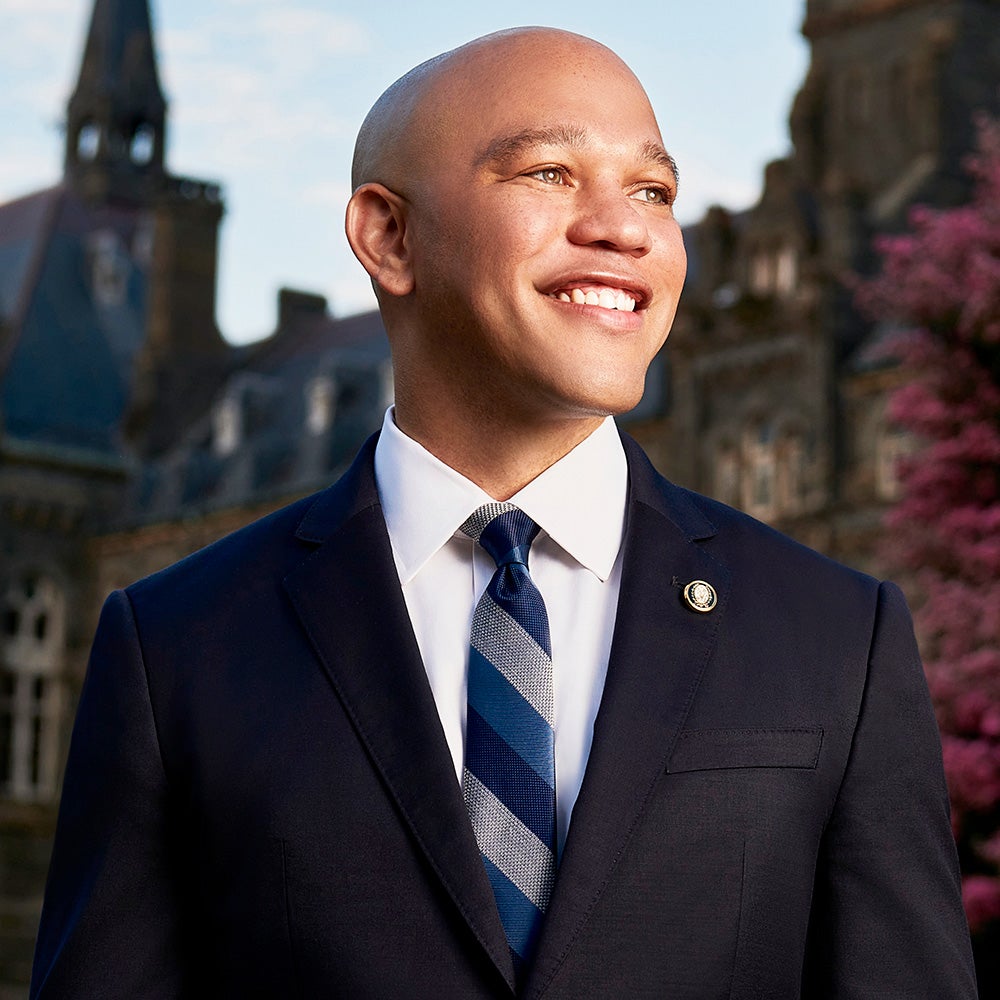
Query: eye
548, 175
655, 195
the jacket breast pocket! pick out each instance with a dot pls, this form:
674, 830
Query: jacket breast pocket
716, 749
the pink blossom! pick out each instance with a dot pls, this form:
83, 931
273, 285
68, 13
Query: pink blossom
940, 282
981, 896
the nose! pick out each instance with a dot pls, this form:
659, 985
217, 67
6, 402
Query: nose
607, 217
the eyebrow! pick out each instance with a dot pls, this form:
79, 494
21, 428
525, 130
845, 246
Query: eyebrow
507, 147
653, 152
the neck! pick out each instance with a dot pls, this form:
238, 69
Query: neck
498, 457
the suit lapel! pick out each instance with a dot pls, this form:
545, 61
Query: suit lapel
659, 651
349, 601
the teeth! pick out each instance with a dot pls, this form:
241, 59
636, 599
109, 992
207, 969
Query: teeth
606, 298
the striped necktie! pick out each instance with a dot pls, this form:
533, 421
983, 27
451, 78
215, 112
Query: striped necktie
509, 777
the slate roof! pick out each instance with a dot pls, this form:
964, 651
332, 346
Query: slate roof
67, 350
277, 455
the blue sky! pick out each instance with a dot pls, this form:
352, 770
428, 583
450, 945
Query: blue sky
267, 97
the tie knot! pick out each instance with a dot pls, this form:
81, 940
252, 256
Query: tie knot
503, 530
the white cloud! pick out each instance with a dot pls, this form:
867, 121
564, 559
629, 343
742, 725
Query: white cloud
178, 44
38, 61
32, 8
250, 91
40, 42
306, 32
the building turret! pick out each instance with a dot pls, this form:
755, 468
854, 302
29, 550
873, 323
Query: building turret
116, 118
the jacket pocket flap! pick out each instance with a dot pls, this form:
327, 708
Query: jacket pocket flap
709, 749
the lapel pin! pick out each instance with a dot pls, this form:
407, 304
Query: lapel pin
700, 596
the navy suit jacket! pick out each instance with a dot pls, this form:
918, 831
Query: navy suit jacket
259, 799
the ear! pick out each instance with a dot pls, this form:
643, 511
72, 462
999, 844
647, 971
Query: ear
376, 230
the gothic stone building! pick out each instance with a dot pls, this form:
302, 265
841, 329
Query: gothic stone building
776, 387
131, 433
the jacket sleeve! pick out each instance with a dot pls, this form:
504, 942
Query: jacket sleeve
110, 923
887, 917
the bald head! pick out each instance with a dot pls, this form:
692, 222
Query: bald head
421, 111
513, 205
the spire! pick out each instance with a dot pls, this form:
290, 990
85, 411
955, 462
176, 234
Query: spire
117, 114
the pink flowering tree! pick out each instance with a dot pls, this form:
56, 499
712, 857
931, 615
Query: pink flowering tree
941, 281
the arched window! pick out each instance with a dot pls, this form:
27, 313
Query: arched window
143, 145
32, 639
88, 142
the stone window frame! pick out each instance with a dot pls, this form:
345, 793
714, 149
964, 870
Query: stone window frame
763, 469
773, 269
32, 653
892, 444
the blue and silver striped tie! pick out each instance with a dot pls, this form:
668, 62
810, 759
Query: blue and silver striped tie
509, 778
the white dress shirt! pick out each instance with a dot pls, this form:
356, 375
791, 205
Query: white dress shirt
579, 505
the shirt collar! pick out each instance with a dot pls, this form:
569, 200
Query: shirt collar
579, 501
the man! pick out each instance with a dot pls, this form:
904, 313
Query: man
285, 777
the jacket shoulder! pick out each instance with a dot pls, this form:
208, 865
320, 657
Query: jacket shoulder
738, 532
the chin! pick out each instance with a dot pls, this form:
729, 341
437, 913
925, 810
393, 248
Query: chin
606, 405
615, 399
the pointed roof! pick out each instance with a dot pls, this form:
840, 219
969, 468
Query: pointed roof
119, 60
116, 117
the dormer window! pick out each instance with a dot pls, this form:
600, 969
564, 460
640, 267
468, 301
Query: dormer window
320, 404
227, 426
109, 268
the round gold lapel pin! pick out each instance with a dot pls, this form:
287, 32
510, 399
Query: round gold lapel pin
700, 596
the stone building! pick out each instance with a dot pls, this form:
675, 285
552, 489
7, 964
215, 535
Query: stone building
776, 388
132, 433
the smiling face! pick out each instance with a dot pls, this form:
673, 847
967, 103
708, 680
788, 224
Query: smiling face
544, 256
